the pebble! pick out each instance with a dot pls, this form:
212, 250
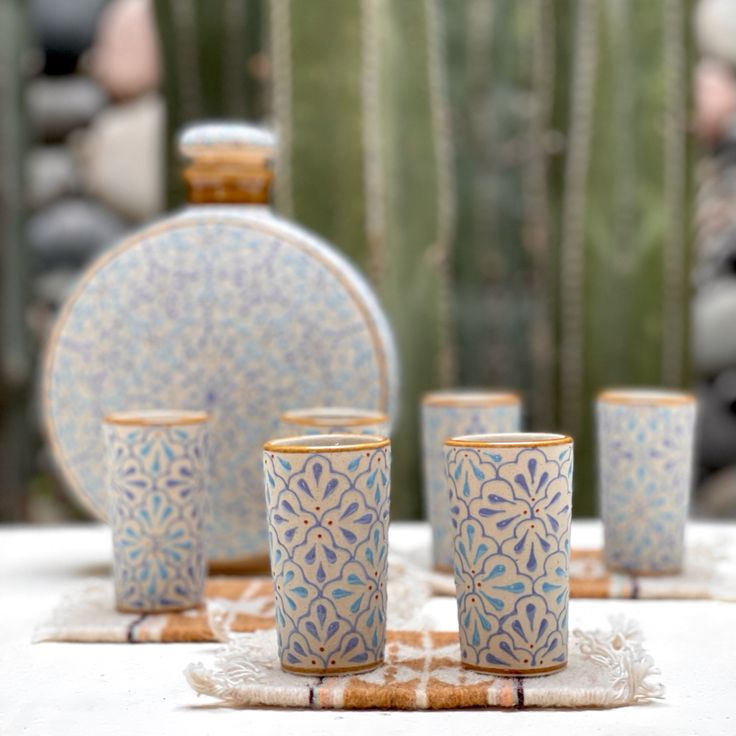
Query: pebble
68, 232
122, 157
51, 173
125, 56
58, 105
64, 29
714, 314
715, 28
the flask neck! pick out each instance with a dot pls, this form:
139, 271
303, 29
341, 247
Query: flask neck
228, 182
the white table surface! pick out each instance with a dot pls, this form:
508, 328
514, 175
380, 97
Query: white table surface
100, 689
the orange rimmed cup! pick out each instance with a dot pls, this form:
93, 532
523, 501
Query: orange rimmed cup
448, 414
510, 507
328, 510
157, 470
335, 420
646, 440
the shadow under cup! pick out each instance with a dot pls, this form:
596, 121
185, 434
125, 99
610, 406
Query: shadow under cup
327, 498
511, 503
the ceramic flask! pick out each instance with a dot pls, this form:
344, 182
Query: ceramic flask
157, 467
511, 499
335, 420
645, 469
449, 414
226, 306
328, 507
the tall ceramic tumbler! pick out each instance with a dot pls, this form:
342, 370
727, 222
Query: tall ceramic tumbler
645, 466
157, 464
328, 505
450, 414
511, 506
335, 420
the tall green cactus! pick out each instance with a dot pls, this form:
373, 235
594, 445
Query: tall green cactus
361, 116
514, 177
210, 54
16, 436
624, 197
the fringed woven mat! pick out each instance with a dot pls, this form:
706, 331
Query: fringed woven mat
710, 573
240, 604
606, 669
245, 604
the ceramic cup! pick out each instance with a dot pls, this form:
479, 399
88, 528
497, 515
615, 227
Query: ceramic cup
449, 414
157, 463
335, 420
511, 498
645, 469
328, 504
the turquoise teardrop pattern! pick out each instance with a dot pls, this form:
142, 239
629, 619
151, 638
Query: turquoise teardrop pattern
511, 554
328, 529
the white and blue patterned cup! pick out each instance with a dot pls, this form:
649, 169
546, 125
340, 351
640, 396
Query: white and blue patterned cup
328, 511
449, 414
335, 420
511, 508
157, 465
645, 467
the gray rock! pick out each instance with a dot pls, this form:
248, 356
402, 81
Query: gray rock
57, 106
715, 28
70, 231
716, 497
717, 421
714, 326
64, 29
53, 287
122, 157
51, 173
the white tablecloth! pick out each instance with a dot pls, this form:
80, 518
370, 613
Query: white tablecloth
100, 689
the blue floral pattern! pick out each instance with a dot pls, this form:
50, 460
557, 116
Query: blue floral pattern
328, 533
645, 474
157, 511
239, 314
510, 513
439, 423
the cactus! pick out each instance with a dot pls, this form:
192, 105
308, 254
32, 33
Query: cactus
514, 177
16, 436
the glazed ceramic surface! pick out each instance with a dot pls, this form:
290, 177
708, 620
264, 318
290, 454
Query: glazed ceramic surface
645, 456
449, 414
228, 309
334, 420
511, 507
157, 507
328, 513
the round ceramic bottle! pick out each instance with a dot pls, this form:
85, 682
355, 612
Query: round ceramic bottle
223, 307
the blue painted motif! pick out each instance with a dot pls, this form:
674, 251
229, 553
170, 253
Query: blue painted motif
645, 475
241, 315
157, 511
439, 423
510, 512
328, 534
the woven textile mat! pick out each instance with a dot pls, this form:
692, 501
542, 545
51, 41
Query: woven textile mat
606, 669
87, 614
232, 604
245, 604
710, 573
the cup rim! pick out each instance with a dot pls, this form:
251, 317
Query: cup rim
645, 396
327, 416
509, 439
471, 398
326, 443
156, 417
